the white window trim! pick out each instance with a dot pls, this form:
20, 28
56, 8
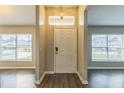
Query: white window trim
97, 60
19, 60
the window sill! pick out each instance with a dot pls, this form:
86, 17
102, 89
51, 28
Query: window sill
107, 61
15, 61
17, 67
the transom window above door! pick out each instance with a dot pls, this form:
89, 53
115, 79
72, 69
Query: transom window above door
15, 47
107, 48
66, 20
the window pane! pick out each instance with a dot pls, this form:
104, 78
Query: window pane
7, 47
114, 54
24, 41
99, 54
24, 54
115, 41
7, 53
99, 40
122, 54
24, 47
7, 40
56, 20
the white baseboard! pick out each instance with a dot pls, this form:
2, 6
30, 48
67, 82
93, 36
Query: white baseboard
41, 79
49, 72
52, 72
85, 82
81, 79
105, 67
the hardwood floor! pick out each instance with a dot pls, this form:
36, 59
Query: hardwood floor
26, 79
96, 79
61, 81
106, 78
17, 79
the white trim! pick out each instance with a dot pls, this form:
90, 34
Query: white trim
17, 67
49, 72
81, 79
85, 82
105, 67
54, 51
41, 79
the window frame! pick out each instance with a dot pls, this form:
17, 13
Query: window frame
16, 47
24, 30
107, 48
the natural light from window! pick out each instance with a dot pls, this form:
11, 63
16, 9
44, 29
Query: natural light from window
56, 20
15, 47
107, 48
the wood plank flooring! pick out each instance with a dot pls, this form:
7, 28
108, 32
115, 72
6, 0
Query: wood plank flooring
106, 78
61, 81
96, 79
17, 79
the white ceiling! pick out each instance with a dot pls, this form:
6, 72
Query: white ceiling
17, 15
106, 15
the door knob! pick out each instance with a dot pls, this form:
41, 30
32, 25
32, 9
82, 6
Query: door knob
56, 49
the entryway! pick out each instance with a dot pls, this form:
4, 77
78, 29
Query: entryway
61, 46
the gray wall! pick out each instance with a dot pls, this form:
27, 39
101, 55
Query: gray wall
104, 19
106, 15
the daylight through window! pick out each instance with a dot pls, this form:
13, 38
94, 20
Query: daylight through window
108, 48
16, 47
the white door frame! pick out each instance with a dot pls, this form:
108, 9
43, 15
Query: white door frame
63, 27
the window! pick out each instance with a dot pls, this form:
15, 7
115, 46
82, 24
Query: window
107, 48
16, 47
56, 20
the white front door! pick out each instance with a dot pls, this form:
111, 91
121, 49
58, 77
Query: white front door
65, 50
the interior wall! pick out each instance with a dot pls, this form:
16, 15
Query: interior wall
42, 40
17, 19
82, 65
18, 29
55, 11
105, 15
104, 19
17, 14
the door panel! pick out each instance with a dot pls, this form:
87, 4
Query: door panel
65, 58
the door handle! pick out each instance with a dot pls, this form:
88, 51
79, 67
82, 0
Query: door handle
56, 49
